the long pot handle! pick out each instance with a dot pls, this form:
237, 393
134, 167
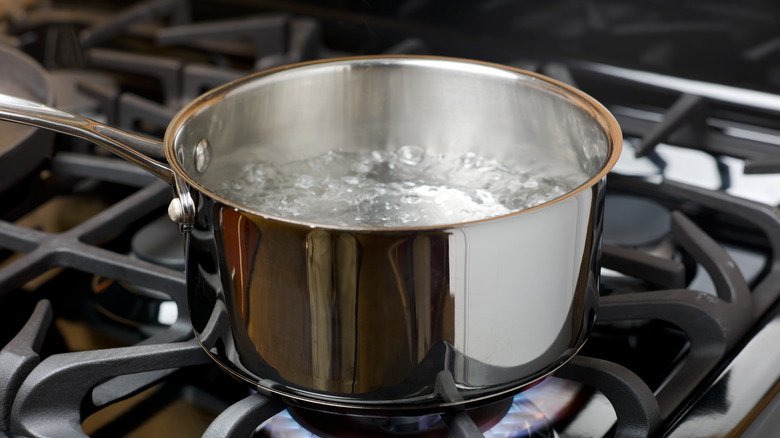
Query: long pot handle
131, 147
146, 153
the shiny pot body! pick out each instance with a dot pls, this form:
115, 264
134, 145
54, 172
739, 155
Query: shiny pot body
364, 320
381, 320
412, 319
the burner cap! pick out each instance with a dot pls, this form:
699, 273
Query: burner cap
160, 242
630, 221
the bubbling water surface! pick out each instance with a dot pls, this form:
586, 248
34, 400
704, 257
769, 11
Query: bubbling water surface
401, 188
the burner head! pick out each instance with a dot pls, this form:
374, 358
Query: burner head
329, 424
634, 222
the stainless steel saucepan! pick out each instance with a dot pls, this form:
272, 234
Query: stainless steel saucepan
370, 319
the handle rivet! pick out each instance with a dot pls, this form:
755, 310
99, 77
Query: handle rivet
202, 155
175, 210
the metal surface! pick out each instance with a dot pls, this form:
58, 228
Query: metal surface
369, 317
716, 92
450, 106
133, 148
450, 299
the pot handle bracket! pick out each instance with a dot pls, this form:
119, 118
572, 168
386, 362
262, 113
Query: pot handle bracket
182, 208
146, 153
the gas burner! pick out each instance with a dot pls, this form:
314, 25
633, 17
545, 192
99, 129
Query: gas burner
634, 222
530, 414
325, 424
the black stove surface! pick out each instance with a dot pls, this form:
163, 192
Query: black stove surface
95, 335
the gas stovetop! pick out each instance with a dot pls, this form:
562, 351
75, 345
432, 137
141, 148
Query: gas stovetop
96, 338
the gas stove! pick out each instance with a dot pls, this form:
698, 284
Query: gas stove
96, 338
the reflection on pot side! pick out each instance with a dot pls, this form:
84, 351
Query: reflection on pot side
325, 314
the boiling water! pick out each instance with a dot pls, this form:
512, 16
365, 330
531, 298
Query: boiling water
406, 187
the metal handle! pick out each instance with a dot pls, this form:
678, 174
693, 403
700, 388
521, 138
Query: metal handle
146, 153
133, 148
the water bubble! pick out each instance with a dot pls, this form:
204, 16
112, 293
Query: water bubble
362, 166
482, 196
411, 155
410, 198
409, 218
468, 160
304, 181
503, 169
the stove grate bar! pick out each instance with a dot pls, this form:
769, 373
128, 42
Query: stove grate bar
135, 111
305, 45
658, 270
560, 72
764, 217
177, 10
763, 165
165, 70
20, 356
107, 169
269, 32
459, 423
199, 78
44, 408
713, 141
408, 46
638, 413
461, 426
687, 112
713, 325
243, 417
74, 248
106, 97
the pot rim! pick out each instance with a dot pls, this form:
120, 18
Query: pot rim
602, 116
